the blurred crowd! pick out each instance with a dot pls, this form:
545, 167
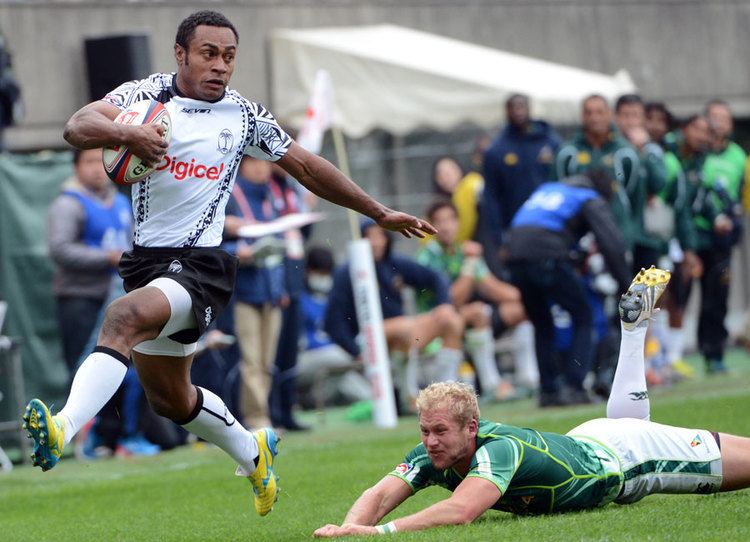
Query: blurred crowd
516, 294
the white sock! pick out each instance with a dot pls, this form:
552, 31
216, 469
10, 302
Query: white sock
527, 370
481, 346
95, 382
447, 361
212, 421
675, 344
629, 395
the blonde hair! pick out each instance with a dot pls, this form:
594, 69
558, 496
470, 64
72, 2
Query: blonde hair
458, 398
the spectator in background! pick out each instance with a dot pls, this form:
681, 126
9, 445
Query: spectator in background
677, 236
259, 289
719, 223
630, 117
517, 162
402, 332
287, 200
343, 383
598, 146
542, 234
90, 226
488, 306
449, 182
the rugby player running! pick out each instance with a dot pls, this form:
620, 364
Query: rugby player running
621, 458
176, 278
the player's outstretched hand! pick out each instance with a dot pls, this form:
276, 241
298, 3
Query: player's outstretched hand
406, 224
347, 529
146, 141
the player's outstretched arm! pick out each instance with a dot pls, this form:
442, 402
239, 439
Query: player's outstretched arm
91, 127
469, 501
326, 181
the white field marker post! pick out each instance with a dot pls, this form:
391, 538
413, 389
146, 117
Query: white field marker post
369, 312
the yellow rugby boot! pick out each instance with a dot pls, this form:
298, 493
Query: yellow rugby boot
48, 433
638, 304
264, 479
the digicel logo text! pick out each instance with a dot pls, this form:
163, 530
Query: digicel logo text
183, 170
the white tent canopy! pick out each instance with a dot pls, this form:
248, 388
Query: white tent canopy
399, 79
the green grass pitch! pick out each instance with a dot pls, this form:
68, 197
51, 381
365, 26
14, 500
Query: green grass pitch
191, 494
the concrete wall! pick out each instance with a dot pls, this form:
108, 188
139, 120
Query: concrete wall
681, 51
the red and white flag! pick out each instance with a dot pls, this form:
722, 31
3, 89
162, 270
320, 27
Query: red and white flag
319, 115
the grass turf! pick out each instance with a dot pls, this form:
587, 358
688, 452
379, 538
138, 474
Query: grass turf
190, 494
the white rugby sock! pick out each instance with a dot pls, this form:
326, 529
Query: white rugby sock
481, 346
527, 370
212, 421
95, 382
447, 361
629, 395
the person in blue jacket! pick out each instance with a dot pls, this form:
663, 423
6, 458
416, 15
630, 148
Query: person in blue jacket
517, 162
403, 332
543, 235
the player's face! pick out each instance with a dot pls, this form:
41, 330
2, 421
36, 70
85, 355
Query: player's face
596, 117
517, 111
378, 241
254, 170
447, 443
90, 170
656, 125
204, 69
446, 222
630, 116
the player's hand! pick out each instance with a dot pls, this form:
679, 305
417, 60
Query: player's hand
406, 224
723, 225
472, 249
693, 265
347, 529
638, 136
146, 141
114, 257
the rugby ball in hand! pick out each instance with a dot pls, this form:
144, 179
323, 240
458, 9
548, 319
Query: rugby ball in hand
121, 165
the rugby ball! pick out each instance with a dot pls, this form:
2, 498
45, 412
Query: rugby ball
121, 165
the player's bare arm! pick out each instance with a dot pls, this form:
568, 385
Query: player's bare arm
92, 127
470, 500
378, 501
326, 181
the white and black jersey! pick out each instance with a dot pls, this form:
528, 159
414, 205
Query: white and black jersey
181, 204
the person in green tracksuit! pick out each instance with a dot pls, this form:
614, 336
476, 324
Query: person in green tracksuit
676, 224
719, 224
598, 146
630, 117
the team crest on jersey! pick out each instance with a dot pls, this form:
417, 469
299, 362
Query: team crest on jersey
175, 266
697, 441
584, 158
510, 159
404, 468
226, 141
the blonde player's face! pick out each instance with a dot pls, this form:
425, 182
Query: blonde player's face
446, 442
205, 68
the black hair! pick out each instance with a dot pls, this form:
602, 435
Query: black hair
186, 30
437, 204
716, 101
601, 180
516, 96
594, 97
628, 99
660, 107
319, 259
691, 119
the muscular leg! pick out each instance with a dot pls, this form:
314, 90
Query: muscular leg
129, 320
166, 382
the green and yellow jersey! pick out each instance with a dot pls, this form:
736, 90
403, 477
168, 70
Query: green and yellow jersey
536, 472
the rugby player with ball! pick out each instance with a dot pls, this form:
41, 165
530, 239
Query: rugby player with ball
177, 278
